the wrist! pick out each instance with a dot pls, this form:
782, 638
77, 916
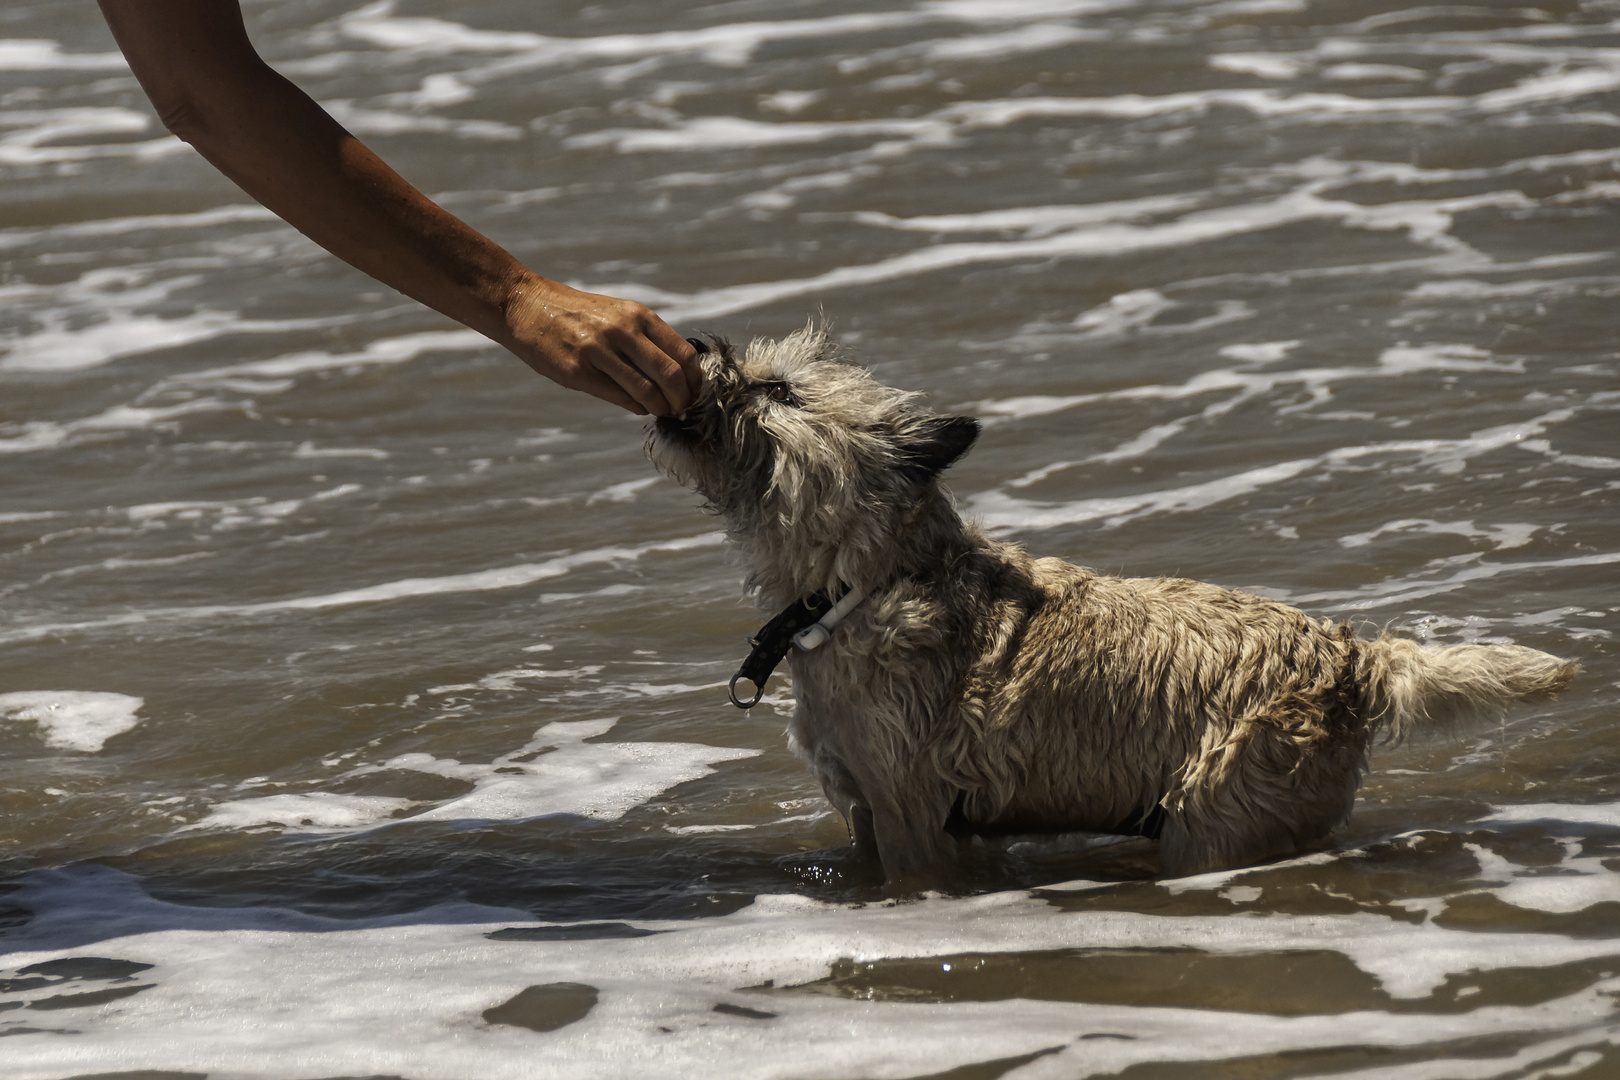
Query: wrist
517, 299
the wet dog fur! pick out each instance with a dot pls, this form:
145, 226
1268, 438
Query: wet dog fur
978, 686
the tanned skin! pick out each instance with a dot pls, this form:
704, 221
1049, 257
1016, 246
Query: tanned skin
209, 86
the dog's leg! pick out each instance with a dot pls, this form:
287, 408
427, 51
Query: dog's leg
896, 839
911, 836
844, 792
901, 836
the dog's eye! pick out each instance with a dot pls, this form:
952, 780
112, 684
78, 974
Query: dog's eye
778, 391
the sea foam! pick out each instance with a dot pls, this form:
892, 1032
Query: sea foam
81, 720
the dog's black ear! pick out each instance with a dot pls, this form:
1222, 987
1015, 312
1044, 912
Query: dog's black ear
932, 446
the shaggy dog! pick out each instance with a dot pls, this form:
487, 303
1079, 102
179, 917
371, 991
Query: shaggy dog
968, 684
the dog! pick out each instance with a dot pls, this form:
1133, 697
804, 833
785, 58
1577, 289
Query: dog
943, 679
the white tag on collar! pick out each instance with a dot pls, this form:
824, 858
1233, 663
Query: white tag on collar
818, 632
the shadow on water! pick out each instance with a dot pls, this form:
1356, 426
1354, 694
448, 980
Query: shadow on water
596, 879
562, 869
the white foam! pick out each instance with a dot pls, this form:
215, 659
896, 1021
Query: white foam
35, 142
1265, 65
709, 132
1471, 289
622, 493
1396, 361
303, 812
1356, 72
791, 102
1122, 313
364, 121
1256, 7
999, 510
727, 44
1425, 223
99, 318
308, 450
506, 577
81, 720
1580, 461
993, 11
42, 54
1501, 537
657, 690
1248, 385
227, 515
1265, 103
115, 563
1606, 815
558, 772
1419, 586
981, 46
509, 678
1563, 86
122, 334
1287, 66
258, 377
1134, 312
42, 125
382, 351
1260, 352
200, 219
1556, 616
1035, 221
33, 435
1405, 174
261, 992
1580, 882
376, 25
1565, 893
712, 133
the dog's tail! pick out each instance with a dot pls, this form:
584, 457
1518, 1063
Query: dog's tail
1411, 687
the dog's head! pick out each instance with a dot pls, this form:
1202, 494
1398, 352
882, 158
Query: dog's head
816, 466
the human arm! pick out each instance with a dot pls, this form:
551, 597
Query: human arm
210, 87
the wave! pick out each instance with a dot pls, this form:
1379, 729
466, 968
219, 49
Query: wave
506, 577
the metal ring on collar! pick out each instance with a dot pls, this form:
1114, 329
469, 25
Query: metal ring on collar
759, 692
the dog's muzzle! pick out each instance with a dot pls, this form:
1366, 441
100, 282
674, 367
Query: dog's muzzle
676, 427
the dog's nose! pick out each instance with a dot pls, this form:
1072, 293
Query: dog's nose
700, 346
675, 425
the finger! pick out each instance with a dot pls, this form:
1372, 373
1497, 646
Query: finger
632, 381
659, 369
681, 350
607, 390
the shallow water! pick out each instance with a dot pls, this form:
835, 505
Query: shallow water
362, 694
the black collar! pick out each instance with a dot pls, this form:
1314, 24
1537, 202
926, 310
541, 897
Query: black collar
772, 642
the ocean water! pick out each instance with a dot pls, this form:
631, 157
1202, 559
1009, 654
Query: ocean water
362, 704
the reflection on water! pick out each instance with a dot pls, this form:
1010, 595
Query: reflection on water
362, 696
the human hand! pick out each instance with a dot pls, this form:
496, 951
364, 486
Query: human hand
610, 348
